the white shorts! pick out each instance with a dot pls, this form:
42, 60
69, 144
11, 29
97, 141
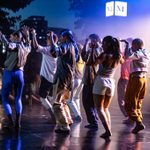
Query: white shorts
104, 86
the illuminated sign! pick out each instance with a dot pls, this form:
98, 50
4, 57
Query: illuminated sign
116, 8
109, 9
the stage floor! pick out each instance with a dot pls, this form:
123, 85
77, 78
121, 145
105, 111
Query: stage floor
37, 133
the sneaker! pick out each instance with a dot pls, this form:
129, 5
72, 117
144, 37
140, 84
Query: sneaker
138, 128
7, 126
106, 135
62, 129
70, 121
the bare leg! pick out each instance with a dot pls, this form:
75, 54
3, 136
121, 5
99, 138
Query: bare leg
106, 109
99, 103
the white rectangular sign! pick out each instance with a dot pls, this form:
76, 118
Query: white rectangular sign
109, 9
116, 8
120, 8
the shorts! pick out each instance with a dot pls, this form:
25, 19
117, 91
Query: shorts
46, 88
104, 86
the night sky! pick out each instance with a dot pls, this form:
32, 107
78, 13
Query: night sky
56, 12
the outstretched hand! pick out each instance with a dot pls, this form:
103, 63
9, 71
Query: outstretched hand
33, 32
25, 31
52, 36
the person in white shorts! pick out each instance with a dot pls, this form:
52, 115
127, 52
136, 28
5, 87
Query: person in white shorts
103, 89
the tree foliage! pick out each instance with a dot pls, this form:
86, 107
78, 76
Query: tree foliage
14, 5
7, 23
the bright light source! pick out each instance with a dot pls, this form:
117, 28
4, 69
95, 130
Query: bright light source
109, 9
120, 8
116, 8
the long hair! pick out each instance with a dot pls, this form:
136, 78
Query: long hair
113, 46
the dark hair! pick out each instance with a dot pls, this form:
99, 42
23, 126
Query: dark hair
94, 36
20, 32
17, 33
113, 46
139, 42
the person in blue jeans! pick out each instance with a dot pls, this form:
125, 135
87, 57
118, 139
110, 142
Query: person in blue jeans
17, 51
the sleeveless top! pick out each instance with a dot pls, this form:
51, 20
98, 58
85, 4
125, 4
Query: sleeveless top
106, 71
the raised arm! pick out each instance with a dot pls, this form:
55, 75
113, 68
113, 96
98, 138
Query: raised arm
3, 38
56, 50
26, 35
85, 52
128, 51
34, 39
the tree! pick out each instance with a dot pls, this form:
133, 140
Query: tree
14, 5
7, 23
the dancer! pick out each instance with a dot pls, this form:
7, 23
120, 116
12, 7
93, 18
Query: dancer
47, 72
74, 101
104, 86
91, 44
123, 81
68, 54
137, 84
13, 73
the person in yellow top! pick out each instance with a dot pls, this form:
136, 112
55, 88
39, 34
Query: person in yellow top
74, 101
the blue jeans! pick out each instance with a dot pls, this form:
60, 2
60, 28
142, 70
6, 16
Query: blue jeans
10, 78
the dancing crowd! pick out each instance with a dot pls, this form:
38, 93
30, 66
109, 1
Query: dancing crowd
72, 72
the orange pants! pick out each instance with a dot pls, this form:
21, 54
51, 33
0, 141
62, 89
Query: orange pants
135, 92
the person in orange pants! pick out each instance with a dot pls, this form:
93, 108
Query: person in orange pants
137, 84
